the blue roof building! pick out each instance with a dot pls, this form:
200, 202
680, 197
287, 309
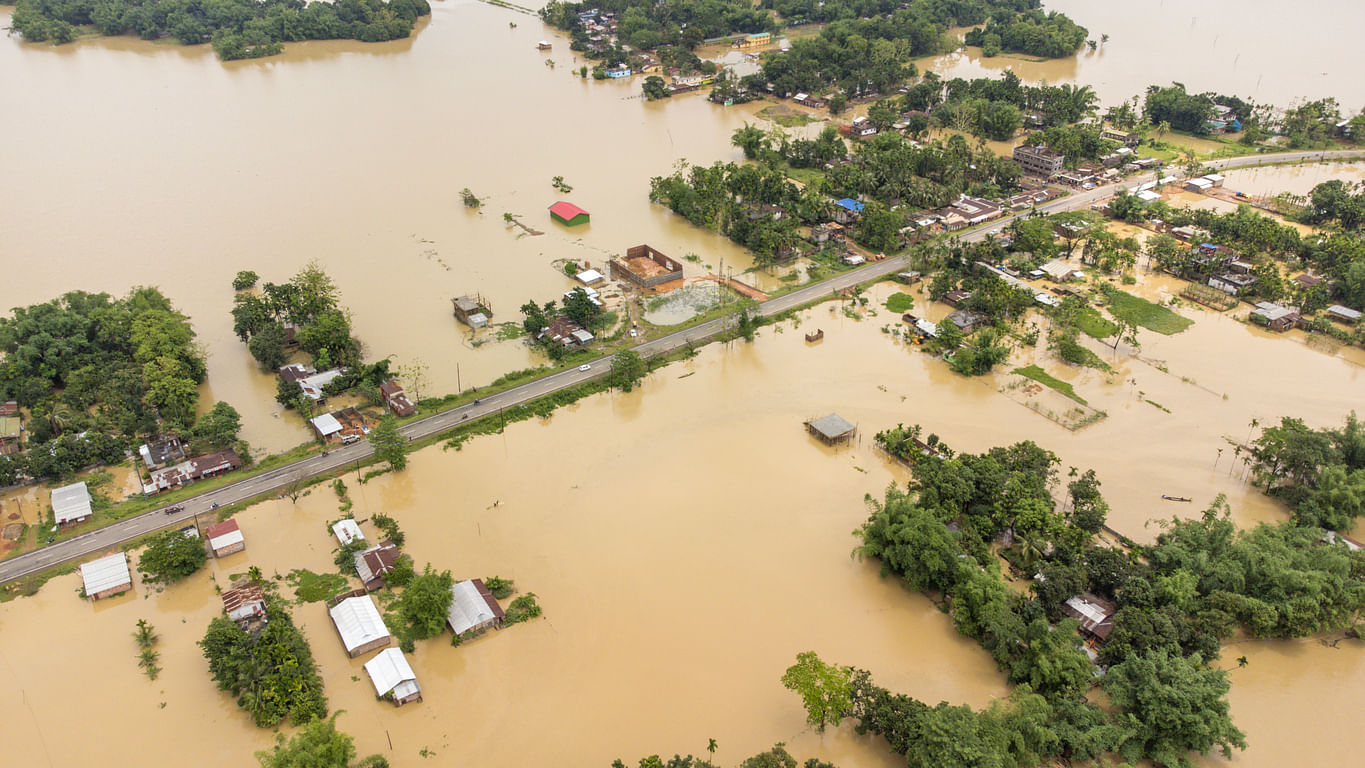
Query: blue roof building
850, 204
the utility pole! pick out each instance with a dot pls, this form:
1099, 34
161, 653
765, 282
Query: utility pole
458, 387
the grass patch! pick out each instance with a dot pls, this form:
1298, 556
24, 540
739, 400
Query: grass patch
1140, 311
1042, 377
312, 587
900, 302
807, 176
786, 117
509, 331
1093, 324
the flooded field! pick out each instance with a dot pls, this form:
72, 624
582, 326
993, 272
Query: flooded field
1247, 48
670, 615
1294, 179
267, 164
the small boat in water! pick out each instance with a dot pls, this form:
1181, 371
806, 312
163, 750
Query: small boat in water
1176, 498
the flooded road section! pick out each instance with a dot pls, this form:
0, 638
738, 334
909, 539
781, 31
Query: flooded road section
686, 541
179, 170
1262, 50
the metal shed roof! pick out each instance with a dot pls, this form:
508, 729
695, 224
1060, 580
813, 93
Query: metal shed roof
71, 502
470, 607
224, 534
358, 622
326, 424
347, 531
105, 573
831, 426
389, 671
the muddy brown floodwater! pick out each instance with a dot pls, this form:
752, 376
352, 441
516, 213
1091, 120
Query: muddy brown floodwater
686, 540
1262, 50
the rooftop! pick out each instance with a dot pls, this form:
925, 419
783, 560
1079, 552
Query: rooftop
105, 573
70, 502
389, 671
472, 605
347, 531
358, 622
566, 210
223, 534
831, 427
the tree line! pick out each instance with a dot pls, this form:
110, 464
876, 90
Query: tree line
98, 373
238, 29
1177, 600
1051, 35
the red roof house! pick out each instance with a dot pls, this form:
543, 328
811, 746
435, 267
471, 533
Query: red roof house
568, 214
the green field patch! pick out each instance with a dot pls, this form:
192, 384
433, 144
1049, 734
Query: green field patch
1093, 324
1047, 380
1140, 311
312, 587
900, 302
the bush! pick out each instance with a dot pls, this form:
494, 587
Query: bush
500, 587
171, 556
244, 280
524, 608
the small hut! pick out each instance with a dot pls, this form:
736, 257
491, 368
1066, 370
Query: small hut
393, 678
816, 335
832, 429
568, 214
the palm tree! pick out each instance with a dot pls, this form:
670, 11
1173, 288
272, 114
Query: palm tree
1031, 550
147, 659
711, 749
145, 635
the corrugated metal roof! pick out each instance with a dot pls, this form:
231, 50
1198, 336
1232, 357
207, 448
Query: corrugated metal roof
566, 210
831, 426
326, 424
471, 607
347, 531
358, 622
105, 573
71, 502
389, 670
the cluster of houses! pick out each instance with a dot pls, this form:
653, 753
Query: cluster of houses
1044, 163
168, 468
361, 628
109, 575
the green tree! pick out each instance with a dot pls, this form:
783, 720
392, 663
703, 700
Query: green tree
654, 88
389, 444
825, 689
217, 430
1171, 705
244, 280
267, 346
317, 745
171, 556
424, 602
627, 370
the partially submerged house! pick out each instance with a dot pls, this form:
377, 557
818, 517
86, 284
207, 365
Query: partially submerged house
71, 504
396, 399
372, 564
473, 608
832, 429
956, 297
295, 372
966, 320
1095, 614
469, 311
347, 531
568, 214
1344, 314
225, 538
1274, 316
245, 605
392, 677
1232, 283
312, 386
1061, 272
358, 623
106, 576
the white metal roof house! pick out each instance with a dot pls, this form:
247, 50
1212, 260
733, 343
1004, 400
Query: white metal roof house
473, 608
392, 677
225, 538
106, 576
359, 625
70, 503
325, 426
1060, 271
347, 531
312, 385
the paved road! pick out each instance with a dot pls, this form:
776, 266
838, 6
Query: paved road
282, 477
1287, 157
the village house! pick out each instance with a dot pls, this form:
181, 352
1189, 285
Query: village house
832, 429
1232, 283
832, 232
473, 608
358, 623
106, 576
1061, 272
590, 277
245, 605
847, 211
1343, 314
345, 426
967, 320
1123, 137
71, 504
568, 214
756, 40
312, 386
1200, 184
974, 210
925, 329
1039, 161
1274, 316
347, 530
862, 127
372, 564
225, 538
393, 678
197, 468
956, 297
397, 400
295, 372
1308, 280
159, 453
1095, 614
468, 311
619, 70
565, 332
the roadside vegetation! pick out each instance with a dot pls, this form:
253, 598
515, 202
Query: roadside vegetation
171, 555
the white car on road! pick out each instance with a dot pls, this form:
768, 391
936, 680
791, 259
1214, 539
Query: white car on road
585, 367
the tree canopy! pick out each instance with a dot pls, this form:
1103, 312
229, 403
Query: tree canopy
272, 675
171, 556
